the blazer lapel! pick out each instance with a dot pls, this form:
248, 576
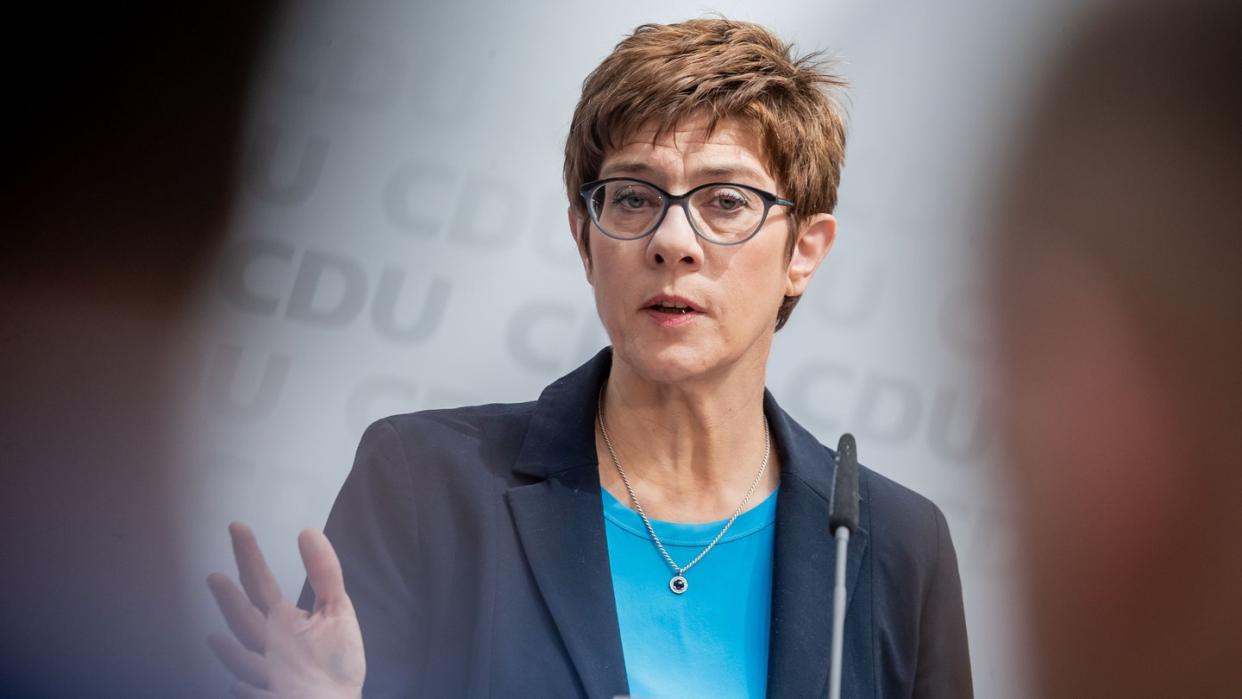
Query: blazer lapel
560, 522
803, 563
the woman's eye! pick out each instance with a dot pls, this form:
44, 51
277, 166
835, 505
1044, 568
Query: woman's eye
629, 200
730, 201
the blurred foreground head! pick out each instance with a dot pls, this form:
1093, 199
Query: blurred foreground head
1118, 301
121, 140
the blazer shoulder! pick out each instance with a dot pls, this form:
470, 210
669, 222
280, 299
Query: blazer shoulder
891, 496
489, 433
902, 520
470, 421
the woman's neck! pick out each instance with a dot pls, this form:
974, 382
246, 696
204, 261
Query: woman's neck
691, 450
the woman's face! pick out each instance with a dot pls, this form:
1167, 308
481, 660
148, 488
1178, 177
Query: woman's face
733, 292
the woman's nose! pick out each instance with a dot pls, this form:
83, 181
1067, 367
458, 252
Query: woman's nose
674, 242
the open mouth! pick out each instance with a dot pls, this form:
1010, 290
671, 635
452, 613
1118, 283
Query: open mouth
672, 305
672, 309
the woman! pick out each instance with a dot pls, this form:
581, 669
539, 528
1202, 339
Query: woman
654, 524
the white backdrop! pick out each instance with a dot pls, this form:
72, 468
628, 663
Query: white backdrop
338, 299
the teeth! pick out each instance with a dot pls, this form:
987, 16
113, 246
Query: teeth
672, 307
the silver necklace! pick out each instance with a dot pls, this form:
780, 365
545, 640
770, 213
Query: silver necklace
678, 584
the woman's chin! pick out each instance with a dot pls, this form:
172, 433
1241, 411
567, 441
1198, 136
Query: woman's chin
668, 363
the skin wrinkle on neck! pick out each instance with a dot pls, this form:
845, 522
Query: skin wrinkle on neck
690, 450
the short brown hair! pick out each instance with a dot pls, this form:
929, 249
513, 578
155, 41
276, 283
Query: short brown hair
664, 73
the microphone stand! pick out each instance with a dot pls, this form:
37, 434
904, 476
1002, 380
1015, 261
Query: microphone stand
842, 520
838, 614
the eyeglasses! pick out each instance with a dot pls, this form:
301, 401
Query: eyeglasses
723, 213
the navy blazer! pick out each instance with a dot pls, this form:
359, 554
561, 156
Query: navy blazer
473, 548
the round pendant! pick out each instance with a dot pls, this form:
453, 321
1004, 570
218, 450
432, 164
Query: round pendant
678, 584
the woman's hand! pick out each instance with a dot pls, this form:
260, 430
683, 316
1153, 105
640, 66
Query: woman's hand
277, 649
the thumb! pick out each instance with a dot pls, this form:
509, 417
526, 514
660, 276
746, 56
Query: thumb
323, 569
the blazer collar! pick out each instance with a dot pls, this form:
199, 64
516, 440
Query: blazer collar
561, 434
560, 522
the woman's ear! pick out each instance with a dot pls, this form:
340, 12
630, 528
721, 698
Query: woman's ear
817, 236
578, 231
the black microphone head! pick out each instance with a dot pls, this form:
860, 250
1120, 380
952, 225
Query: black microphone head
844, 511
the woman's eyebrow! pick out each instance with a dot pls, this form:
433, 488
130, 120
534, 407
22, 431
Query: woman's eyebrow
729, 173
627, 167
723, 172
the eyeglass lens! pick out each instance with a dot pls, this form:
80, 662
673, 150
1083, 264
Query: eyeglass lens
630, 209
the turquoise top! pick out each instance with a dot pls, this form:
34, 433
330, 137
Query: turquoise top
712, 640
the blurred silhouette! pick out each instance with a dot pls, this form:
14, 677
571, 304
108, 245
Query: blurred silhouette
1118, 301
121, 139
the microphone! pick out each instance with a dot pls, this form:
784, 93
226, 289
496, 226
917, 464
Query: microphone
844, 512
842, 519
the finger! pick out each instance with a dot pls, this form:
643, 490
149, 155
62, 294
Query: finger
256, 577
241, 690
243, 618
247, 665
323, 569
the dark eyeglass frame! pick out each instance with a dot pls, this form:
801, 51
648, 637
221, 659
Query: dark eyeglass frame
669, 200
